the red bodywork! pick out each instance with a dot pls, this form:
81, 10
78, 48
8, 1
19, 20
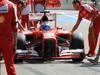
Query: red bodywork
39, 36
54, 43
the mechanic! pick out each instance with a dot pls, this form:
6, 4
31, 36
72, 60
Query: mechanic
25, 14
8, 29
19, 5
92, 14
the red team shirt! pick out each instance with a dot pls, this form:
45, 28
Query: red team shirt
7, 24
53, 3
86, 12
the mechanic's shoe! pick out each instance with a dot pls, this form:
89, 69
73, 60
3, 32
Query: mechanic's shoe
1, 61
93, 61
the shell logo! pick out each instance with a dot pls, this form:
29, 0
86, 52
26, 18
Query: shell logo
2, 19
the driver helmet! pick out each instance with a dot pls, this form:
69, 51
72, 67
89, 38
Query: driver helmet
45, 27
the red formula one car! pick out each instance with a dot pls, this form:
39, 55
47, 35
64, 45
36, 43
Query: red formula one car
54, 43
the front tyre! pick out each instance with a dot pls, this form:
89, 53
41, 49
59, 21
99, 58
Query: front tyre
77, 43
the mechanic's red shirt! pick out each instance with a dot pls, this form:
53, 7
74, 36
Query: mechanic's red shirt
8, 18
85, 12
53, 3
15, 1
39, 1
30, 1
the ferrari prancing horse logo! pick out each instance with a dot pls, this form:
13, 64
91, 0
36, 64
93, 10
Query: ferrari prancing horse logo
2, 19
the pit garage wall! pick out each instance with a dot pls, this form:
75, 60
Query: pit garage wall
67, 4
